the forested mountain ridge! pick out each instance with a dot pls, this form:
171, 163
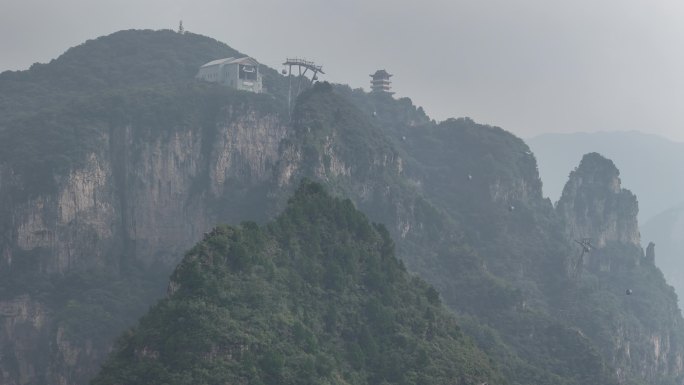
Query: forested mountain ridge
123, 60
442, 244
102, 189
167, 161
315, 296
527, 245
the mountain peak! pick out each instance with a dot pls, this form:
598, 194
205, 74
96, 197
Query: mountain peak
598, 171
595, 206
316, 296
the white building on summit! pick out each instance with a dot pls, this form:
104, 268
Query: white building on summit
240, 74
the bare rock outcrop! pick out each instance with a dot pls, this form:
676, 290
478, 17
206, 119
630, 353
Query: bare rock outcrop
594, 205
146, 196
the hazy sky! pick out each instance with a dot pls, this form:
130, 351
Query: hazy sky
529, 66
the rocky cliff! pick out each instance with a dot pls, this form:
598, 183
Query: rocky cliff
101, 194
666, 230
459, 233
135, 202
594, 206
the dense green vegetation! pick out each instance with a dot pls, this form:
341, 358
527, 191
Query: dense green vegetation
122, 60
507, 266
472, 247
316, 296
127, 89
55, 114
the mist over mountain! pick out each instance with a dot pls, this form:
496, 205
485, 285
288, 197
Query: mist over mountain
315, 296
105, 186
650, 165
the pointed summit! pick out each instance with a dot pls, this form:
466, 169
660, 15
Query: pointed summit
594, 205
315, 297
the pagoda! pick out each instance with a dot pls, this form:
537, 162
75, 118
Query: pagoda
381, 82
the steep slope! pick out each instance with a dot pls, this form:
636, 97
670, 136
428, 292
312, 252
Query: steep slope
101, 194
477, 263
621, 300
650, 165
136, 173
126, 212
539, 319
593, 203
315, 296
666, 231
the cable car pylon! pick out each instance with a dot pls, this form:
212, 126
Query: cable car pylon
302, 67
585, 243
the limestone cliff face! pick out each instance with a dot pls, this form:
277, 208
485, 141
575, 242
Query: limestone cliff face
146, 196
142, 191
334, 143
593, 204
52, 227
365, 184
23, 326
247, 151
666, 230
652, 354
518, 190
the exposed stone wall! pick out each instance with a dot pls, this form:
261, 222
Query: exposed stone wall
594, 205
147, 199
23, 323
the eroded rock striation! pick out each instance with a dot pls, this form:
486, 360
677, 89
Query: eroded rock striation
594, 205
136, 202
649, 341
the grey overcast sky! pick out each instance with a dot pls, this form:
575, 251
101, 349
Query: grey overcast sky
529, 66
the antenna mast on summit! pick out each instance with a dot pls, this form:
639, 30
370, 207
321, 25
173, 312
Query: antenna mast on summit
302, 66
